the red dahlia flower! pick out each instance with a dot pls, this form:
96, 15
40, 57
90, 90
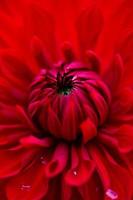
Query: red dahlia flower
66, 100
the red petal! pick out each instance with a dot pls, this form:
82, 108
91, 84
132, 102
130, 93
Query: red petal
94, 61
58, 161
69, 125
36, 142
103, 173
13, 161
54, 124
93, 189
30, 184
88, 129
40, 54
25, 118
114, 74
125, 45
16, 67
89, 26
80, 174
39, 22
124, 136
11, 133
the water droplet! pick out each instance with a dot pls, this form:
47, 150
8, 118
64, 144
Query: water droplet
111, 194
42, 160
75, 77
25, 187
75, 173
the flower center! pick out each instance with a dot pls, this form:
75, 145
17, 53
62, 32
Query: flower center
70, 102
64, 84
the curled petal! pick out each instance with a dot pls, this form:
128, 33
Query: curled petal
36, 142
88, 129
58, 161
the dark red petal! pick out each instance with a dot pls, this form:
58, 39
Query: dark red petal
69, 124
97, 101
66, 190
92, 189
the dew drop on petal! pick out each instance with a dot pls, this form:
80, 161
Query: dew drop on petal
42, 160
25, 187
111, 194
75, 77
75, 173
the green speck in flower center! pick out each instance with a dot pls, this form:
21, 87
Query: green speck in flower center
65, 91
64, 84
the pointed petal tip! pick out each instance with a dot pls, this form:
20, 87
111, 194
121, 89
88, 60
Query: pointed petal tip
40, 53
68, 51
93, 60
114, 75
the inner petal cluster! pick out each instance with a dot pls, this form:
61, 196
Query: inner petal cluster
69, 102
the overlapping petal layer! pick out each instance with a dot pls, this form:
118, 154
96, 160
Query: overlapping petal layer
66, 119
